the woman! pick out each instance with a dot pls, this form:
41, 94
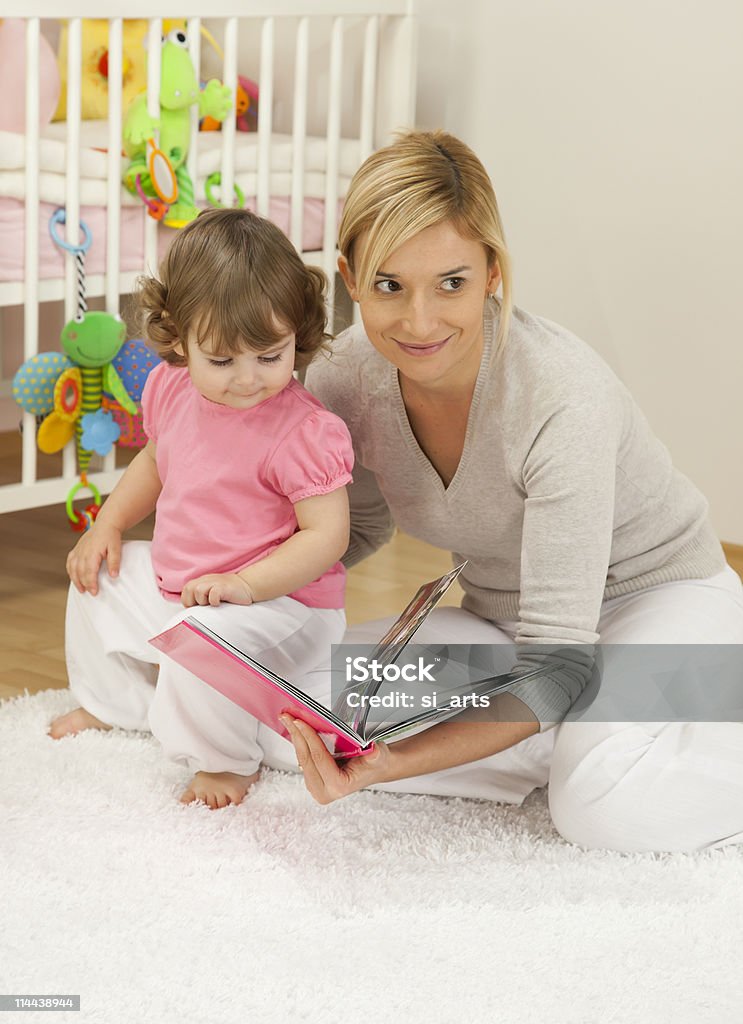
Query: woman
502, 437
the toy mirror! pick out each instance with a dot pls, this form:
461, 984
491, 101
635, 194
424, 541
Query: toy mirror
162, 174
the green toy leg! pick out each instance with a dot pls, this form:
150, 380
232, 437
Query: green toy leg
129, 179
183, 211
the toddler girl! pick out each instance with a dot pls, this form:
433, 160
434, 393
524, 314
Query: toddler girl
247, 472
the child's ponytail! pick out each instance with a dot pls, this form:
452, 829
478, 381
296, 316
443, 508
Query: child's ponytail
155, 322
312, 335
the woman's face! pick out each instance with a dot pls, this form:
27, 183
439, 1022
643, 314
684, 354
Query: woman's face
424, 313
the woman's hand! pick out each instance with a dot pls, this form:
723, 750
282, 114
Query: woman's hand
327, 779
216, 587
84, 561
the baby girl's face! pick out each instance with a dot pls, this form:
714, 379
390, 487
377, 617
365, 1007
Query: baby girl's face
243, 380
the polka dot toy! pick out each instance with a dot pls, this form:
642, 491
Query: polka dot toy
133, 364
33, 384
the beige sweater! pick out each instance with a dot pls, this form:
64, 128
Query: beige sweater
563, 496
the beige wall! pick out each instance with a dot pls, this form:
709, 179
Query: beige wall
614, 137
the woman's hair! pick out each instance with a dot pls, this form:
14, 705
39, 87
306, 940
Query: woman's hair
422, 179
236, 279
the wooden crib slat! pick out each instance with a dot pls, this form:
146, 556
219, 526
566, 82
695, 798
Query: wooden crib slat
31, 287
333, 136
72, 166
299, 130
113, 206
229, 127
265, 117
368, 88
113, 211
193, 32
154, 47
72, 194
31, 290
227, 8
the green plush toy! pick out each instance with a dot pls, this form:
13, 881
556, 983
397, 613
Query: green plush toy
179, 91
67, 389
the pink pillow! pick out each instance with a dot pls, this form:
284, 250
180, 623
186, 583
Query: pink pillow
13, 77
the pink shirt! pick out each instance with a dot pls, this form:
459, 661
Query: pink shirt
231, 477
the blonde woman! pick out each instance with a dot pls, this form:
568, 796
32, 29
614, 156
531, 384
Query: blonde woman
505, 439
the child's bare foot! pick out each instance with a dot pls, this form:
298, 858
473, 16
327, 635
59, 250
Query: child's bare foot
218, 789
74, 722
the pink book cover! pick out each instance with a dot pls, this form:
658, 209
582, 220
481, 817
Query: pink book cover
251, 686
266, 695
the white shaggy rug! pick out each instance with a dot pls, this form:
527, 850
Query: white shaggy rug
384, 907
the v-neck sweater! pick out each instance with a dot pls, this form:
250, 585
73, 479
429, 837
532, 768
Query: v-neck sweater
563, 496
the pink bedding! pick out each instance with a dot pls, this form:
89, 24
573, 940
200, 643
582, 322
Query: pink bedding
131, 248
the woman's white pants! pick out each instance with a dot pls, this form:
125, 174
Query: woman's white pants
619, 785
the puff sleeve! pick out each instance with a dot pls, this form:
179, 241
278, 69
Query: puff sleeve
151, 400
316, 457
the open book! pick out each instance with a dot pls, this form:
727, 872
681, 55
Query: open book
345, 728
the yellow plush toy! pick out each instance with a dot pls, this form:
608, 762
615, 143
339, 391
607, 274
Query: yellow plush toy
94, 85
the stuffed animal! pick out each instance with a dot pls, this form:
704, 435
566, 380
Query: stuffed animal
246, 108
67, 389
179, 91
94, 67
133, 365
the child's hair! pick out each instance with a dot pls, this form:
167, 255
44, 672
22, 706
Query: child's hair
422, 179
236, 279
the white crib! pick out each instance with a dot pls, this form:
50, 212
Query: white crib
336, 77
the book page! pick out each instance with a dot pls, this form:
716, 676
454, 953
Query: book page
392, 644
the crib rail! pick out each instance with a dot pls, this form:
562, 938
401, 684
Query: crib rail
376, 68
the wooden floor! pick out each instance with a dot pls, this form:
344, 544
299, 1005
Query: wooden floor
33, 588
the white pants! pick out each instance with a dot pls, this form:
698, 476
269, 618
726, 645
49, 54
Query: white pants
623, 786
113, 669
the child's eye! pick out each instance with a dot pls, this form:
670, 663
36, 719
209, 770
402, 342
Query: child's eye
220, 362
269, 359
391, 286
456, 284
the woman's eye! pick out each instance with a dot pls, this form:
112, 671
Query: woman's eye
454, 283
220, 362
386, 287
269, 359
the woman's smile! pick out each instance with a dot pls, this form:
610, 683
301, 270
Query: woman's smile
427, 348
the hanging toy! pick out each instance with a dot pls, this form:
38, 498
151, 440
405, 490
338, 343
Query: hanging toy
216, 179
153, 171
162, 180
133, 365
67, 389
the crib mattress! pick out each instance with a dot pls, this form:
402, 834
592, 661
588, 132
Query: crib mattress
94, 164
131, 244
93, 193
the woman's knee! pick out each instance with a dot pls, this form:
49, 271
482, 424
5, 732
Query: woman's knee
595, 793
648, 786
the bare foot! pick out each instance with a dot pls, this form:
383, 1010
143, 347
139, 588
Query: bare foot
74, 722
218, 789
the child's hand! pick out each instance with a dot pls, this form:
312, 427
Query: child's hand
216, 587
84, 561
